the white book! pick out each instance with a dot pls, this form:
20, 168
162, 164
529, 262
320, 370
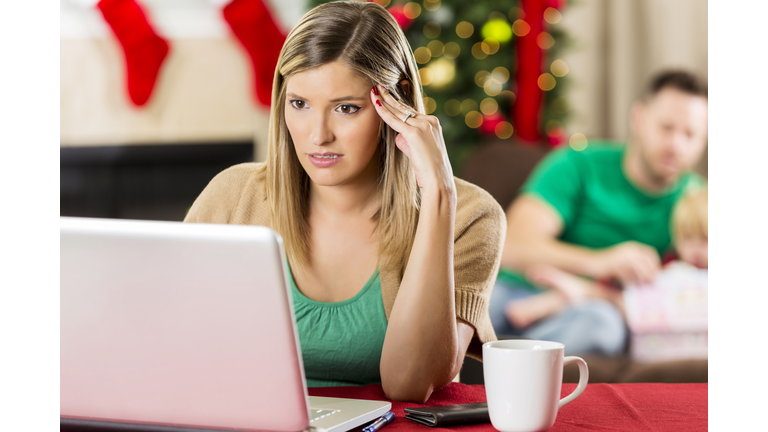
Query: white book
675, 302
668, 318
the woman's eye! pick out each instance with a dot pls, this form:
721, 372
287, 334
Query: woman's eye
298, 104
348, 109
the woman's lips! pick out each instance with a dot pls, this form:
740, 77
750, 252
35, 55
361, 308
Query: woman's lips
324, 160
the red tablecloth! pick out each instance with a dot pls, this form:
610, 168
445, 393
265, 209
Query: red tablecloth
602, 407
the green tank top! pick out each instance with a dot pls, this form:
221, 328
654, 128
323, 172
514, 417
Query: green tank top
341, 342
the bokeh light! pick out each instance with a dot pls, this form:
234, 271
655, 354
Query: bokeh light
430, 105
498, 29
490, 46
556, 136
436, 48
488, 127
432, 29
559, 68
578, 141
552, 15
504, 130
478, 52
473, 119
443, 73
489, 106
412, 10
545, 40
501, 74
481, 77
452, 107
384, 3
507, 94
468, 105
431, 5
492, 87
520, 28
426, 76
546, 82
422, 55
464, 29
451, 50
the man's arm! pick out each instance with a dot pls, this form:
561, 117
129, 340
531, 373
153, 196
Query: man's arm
532, 230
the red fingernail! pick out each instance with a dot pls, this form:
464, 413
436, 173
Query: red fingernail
376, 92
378, 102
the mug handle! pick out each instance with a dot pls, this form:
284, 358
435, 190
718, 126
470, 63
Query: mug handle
583, 378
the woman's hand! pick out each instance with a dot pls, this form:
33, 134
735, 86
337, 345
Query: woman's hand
412, 363
420, 137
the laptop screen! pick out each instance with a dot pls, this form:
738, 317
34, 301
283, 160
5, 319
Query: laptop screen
178, 324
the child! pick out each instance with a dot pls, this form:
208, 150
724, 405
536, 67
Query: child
689, 228
689, 236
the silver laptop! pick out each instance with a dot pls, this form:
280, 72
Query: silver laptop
169, 326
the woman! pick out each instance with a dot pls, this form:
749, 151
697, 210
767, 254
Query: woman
392, 259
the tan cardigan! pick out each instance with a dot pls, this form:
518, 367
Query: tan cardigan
237, 196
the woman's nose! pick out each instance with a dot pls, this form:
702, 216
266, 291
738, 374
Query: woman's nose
321, 131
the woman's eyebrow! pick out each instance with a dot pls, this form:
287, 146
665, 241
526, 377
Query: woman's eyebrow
349, 98
341, 99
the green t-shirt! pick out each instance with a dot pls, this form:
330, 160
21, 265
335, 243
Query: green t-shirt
598, 205
341, 342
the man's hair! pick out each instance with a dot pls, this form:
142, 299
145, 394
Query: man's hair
680, 80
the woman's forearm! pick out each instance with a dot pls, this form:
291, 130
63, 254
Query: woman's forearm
421, 346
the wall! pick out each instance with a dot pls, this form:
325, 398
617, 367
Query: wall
619, 45
203, 92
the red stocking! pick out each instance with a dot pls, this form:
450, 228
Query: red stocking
144, 49
253, 25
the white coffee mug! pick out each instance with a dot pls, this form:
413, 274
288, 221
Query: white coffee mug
523, 380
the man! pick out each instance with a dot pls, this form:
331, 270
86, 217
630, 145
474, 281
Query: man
602, 213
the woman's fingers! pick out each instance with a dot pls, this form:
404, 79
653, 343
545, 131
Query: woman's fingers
402, 144
425, 123
418, 127
419, 138
389, 99
399, 109
386, 114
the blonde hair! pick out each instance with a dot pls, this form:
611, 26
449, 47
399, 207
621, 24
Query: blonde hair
367, 39
689, 218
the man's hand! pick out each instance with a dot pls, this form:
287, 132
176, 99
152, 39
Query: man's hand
532, 230
630, 262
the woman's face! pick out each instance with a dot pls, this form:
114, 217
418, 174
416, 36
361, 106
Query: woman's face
333, 124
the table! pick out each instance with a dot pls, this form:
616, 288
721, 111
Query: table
602, 407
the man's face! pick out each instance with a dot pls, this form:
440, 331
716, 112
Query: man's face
670, 131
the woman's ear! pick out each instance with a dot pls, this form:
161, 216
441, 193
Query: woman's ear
407, 92
406, 85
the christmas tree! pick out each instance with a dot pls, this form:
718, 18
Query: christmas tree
468, 56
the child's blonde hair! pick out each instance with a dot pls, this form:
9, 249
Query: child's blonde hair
689, 218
